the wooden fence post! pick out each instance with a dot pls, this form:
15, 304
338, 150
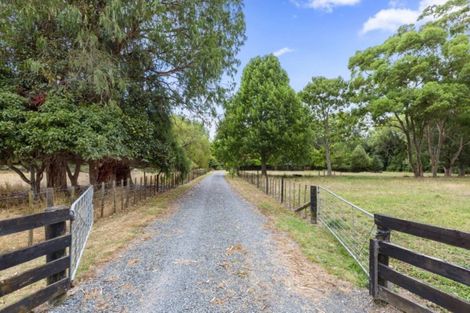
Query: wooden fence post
122, 194
145, 187
313, 204
282, 189
31, 211
299, 195
102, 198
128, 187
114, 196
257, 179
53, 231
267, 186
140, 188
158, 182
373, 267
49, 197
134, 190
383, 234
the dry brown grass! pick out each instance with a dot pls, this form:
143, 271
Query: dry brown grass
110, 236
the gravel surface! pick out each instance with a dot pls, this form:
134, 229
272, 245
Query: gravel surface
214, 254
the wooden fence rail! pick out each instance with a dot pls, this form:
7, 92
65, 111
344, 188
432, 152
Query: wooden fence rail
57, 244
381, 250
54, 247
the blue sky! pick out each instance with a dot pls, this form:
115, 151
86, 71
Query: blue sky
318, 36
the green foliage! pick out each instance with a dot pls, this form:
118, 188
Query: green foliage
327, 100
265, 120
194, 140
100, 81
360, 160
418, 78
388, 144
376, 164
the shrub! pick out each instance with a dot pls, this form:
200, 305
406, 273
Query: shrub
360, 160
376, 164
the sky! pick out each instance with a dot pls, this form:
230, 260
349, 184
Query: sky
317, 37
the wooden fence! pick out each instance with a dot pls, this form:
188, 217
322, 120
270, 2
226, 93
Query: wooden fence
294, 196
111, 197
54, 247
381, 249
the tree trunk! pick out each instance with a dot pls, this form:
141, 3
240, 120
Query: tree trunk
56, 172
93, 172
74, 176
263, 168
433, 148
448, 171
409, 150
328, 159
461, 170
108, 170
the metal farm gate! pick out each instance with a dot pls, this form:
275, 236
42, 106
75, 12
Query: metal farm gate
80, 228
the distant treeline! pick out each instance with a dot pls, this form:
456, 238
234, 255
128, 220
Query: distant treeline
405, 108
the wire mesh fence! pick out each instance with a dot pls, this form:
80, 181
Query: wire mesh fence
351, 225
80, 228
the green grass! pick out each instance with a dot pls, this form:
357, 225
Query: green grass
441, 201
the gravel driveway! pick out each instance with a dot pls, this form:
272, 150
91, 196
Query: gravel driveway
214, 254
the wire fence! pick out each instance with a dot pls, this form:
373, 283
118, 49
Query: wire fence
351, 225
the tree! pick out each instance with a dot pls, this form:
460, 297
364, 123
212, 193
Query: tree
194, 139
360, 160
396, 78
265, 119
326, 98
141, 59
388, 144
376, 164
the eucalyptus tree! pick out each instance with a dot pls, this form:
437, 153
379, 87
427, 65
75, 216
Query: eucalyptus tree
399, 77
326, 99
265, 120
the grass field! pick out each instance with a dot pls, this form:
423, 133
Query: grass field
441, 201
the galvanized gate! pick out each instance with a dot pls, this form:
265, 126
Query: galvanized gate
82, 223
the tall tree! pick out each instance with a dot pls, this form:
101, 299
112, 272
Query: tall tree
265, 119
394, 76
143, 58
326, 98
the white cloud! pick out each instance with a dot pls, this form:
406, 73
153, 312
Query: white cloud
282, 51
326, 5
389, 19
392, 18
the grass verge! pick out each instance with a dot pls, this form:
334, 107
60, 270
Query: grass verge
317, 244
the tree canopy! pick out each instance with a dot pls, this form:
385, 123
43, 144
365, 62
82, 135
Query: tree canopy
265, 120
97, 82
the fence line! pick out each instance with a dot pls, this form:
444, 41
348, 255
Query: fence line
355, 228
111, 197
351, 225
